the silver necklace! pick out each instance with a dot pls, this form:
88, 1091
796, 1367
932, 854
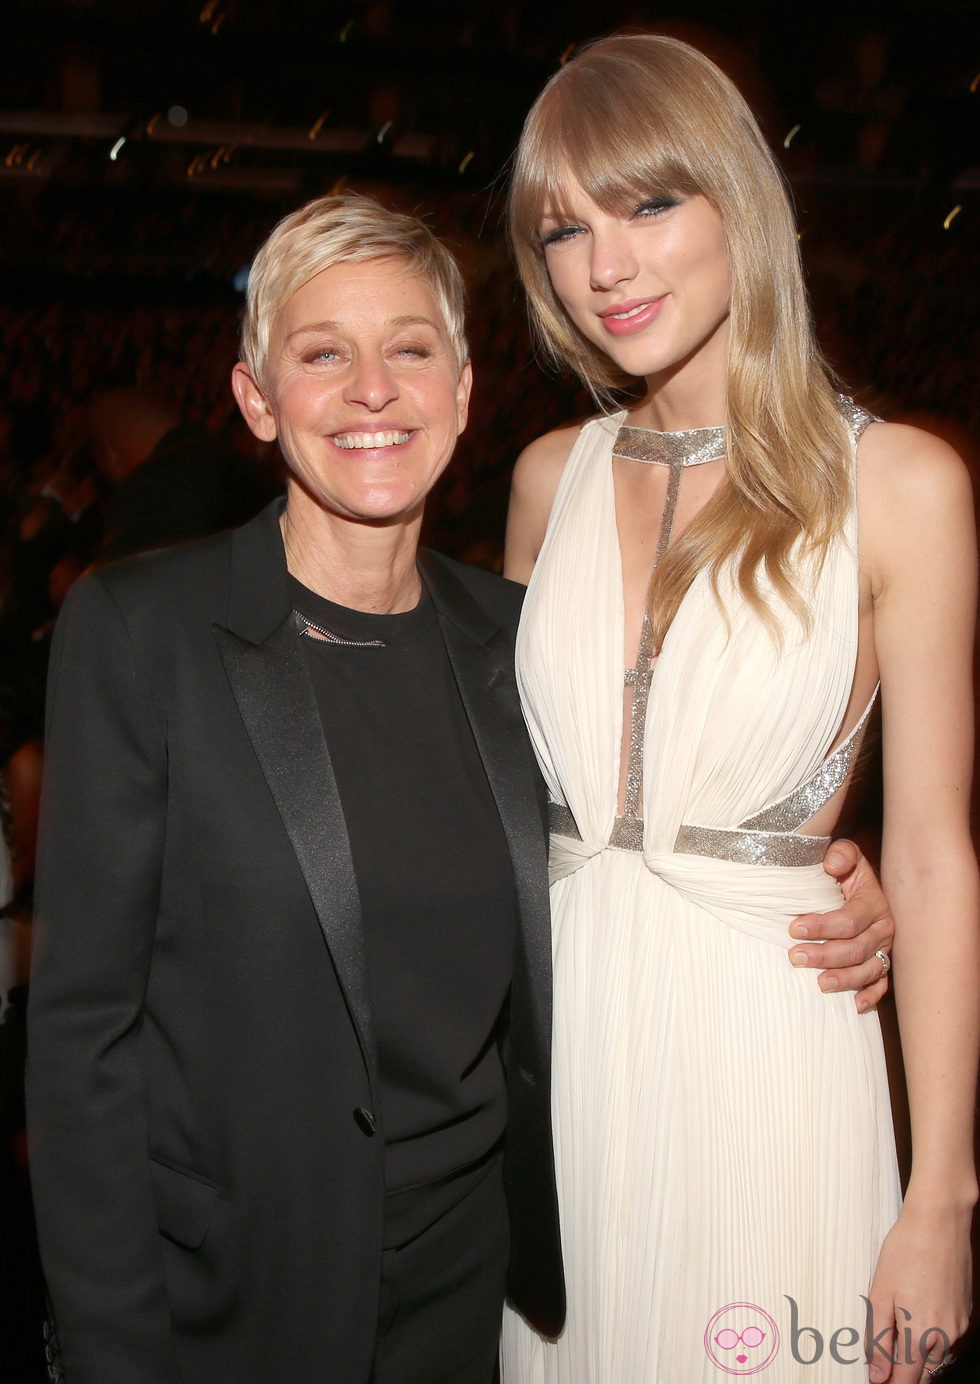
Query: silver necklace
324, 636
690, 447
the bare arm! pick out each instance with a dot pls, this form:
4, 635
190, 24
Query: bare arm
918, 543
532, 494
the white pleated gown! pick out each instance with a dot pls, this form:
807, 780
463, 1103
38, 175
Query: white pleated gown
723, 1128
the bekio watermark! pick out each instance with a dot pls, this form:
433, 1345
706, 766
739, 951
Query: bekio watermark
742, 1338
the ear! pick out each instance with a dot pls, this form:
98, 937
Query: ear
463, 389
253, 403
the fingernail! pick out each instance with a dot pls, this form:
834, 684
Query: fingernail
798, 958
828, 983
798, 930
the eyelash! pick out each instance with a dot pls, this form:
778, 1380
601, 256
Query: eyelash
653, 207
656, 205
328, 354
559, 234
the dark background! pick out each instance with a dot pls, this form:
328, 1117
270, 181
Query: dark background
148, 146
122, 271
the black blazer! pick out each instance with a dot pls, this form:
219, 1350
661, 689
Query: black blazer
207, 1153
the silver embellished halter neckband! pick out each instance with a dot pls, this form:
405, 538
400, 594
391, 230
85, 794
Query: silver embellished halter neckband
675, 450
690, 447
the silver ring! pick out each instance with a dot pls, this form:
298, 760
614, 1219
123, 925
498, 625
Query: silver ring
886, 962
941, 1368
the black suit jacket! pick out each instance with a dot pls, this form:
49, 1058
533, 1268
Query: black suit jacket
203, 1094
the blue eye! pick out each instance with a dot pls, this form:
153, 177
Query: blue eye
656, 206
320, 353
559, 235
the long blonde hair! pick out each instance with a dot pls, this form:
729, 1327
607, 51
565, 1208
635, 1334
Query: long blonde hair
638, 115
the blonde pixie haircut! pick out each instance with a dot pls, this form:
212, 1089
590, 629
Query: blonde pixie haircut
345, 229
636, 116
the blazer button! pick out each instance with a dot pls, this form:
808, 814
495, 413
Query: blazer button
365, 1121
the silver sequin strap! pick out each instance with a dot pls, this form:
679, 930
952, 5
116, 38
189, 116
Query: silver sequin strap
561, 822
789, 813
752, 847
626, 835
744, 847
856, 417
770, 837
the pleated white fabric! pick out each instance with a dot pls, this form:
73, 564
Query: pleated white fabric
723, 1128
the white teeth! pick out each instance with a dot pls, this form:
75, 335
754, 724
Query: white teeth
622, 316
360, 440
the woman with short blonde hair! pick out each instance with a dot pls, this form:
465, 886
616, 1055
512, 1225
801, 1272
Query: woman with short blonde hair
346, 228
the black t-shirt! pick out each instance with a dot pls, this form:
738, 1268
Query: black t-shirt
435, 881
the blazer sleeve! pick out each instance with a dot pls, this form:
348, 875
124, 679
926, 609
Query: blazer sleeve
102, 825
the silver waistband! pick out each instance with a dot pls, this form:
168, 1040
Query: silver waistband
626, 835
751, 847
717, 843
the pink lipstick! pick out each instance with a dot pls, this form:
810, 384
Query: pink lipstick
625, 318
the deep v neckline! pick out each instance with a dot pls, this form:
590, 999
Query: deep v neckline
676, 451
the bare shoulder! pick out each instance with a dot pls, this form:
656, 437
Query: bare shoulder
542, 461
914, 497
537, 472
904, 465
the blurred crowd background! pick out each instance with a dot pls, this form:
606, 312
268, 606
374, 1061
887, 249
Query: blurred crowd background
145, 152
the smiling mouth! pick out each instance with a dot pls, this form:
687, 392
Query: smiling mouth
632, 317
360, 441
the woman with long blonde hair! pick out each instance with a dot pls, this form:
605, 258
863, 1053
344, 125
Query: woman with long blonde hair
721, 576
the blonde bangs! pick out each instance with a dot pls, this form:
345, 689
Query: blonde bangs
619, 150
641, 115
631, 118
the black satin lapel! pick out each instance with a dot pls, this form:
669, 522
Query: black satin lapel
277, 704
485, 679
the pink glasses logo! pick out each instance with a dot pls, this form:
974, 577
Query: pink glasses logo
741, 1338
